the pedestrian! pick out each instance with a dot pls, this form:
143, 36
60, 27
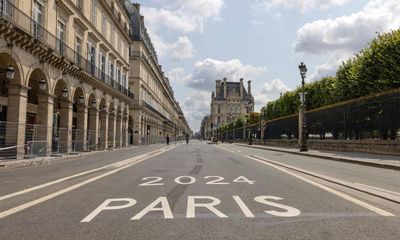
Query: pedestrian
187, 138
167, 138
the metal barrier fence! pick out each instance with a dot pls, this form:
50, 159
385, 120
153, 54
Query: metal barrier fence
373, 117
18, 141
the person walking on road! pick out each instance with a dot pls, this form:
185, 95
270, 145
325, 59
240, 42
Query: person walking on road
187, 138
167, 138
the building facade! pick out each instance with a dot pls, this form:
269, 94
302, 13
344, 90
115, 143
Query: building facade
65, 82
155, 113
229, 101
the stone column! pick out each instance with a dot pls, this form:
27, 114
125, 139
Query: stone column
45, 119
65, 126
93, 133
112, 121
137, 127
124, 131
82, 126
103, 130
16, 118
118, 133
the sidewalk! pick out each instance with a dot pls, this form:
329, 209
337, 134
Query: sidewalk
369, 159
51, 159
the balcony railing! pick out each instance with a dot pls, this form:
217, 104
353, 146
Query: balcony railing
15, 16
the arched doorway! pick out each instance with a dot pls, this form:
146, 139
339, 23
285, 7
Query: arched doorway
130, 130
62, 120
13, 100
79, 121
118, 128
103, 124
111, 125
39, 114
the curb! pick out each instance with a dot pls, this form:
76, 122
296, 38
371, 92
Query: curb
339, 159
27, 162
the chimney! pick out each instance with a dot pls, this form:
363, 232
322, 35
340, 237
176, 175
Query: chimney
241, 88
249, 87
217, 87
225, 87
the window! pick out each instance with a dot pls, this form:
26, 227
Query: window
219, 108
93, 13
103, 66
112, 74
5, 8
119, 76
78, 50
37, 15
60, 36
92, 57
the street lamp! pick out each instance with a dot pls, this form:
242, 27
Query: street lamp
302, 120
64, 92
10, 72
42, 85
81, 99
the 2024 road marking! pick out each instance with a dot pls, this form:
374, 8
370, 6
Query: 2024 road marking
187, 180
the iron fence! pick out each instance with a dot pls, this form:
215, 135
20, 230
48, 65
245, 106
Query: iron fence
374, 117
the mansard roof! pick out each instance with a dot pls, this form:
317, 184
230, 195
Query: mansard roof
232, 90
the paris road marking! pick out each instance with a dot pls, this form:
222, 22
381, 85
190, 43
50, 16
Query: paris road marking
120, 166
326, 188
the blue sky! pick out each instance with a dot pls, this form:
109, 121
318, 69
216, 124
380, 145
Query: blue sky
199, 41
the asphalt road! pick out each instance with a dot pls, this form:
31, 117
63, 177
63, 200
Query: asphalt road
195, 191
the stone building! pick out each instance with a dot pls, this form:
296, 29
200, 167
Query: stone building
156, 113
64, 76
229, 101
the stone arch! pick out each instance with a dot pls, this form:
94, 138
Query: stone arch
12, 59
45, 72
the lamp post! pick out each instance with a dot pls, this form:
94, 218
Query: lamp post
249, 109
302, 120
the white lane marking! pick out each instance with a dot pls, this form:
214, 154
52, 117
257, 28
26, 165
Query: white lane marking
73, 187
328, 189
192, 205
289, 211
228, 149
246, 211
104, 206
379, 189
117, 164
165, 209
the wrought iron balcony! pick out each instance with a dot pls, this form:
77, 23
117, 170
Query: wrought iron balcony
15, 18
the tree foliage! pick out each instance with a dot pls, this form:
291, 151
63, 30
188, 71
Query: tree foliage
374, 69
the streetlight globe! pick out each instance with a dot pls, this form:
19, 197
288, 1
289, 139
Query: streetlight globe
303, 69
10, 72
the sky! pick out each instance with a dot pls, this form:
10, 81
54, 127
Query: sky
199, 41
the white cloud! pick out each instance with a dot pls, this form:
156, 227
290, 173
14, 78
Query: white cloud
207, 71
302, 5
182, 49
275, 86
183, 15
339, 38
349, 33
269, 90
178, 76
195, 107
